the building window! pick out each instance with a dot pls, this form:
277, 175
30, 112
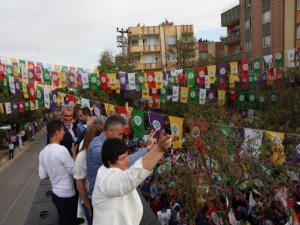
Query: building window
247, 3
170, 40
247, 24
237, 49
267, 41
203, 55
267, 17
171, 57
298, 4
298, 31
248, 46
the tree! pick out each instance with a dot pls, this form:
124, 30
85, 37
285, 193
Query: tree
107, 61
122, 63
184, 49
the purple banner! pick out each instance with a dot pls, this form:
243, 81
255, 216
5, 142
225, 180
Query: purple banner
54, 100
18, 88
211, 96
123, 80
157, 122
14, 107
70, 80
222, 69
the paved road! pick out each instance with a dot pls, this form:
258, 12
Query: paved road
19, 182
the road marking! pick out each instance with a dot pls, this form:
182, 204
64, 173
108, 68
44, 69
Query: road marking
19, 195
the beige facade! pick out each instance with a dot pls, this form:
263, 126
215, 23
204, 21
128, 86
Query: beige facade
149, 47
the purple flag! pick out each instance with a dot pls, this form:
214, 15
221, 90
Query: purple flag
211, 96
263, 79
97, 108
18, 88
70, 80
14, 107
222, 69
39, 64
127, 93
157, 122
79, 79
123, 80
54, 100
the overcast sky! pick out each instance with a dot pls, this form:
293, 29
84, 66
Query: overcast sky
74, 32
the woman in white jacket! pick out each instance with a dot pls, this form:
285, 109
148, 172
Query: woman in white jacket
115, 199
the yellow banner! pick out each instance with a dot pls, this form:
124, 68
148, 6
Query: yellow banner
232, 79
1, 109
211, 70
32, 106
60, 97
118, 89
56, 68
109, 109
276, 139
176, 124
145, 92
25, 90
184, 93
221, 97
13, 60
112, 80
158, 77
62, 79
234, 67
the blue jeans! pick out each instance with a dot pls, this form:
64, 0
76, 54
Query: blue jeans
89, 219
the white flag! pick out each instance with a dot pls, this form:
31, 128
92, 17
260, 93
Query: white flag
206, 82
175, 94
85, 103
202, 96
47, 97
252, 142
291, 58
269, 60
7, 107
85, 80
131, 81
11, 82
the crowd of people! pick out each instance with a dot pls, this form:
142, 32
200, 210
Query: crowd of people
90, 157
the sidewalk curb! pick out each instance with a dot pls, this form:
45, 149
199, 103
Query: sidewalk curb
25, 145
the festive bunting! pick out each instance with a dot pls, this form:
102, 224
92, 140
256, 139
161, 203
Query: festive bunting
109, 109
279, 59
276, 139
176, 124
252, 142
94, 81
156, 122
138, 123
193, 96
191, 76
8, 108
202, 96
175, 93
184, 94
211, 73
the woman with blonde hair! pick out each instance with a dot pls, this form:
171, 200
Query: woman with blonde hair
80, 171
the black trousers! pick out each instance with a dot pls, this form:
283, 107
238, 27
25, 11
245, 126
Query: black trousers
66, 208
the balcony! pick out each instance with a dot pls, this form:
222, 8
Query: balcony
231, 39
147, 66
231, 17
144, 48
133, 31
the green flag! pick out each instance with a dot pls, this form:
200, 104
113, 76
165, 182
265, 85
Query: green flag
241, 99
26, 105
94, 82
256, 66
193, 95
279, 59
140, 80
261, 101
273, 98
163, 95
251, 80
138, 123
226, 130
64, 68
46, 76
40, 95
171, 81
22, 64
8, 70
252, 100
190, 76
5, 84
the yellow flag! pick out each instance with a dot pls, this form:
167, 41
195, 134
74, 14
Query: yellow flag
234, 67
62, 79
25, 89
184, 93
211, 70
112, 80
221, 97
60, 97
1, 109
158, 77
56, 68
150, 101
176, 124
96, 71
232, 79
109, 109
145, 92
13, 60
118, 90
16, 71
276, 139
32, 105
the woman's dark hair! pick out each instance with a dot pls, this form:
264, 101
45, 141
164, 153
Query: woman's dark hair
111, 149
53, 126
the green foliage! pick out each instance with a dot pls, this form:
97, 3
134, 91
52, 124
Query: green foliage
107, 61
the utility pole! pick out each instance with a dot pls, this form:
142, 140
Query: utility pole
122, 40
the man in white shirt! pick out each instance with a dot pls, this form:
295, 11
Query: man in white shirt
56, 164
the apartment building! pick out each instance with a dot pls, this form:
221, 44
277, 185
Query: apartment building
256, 28
152, 47
210, 51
